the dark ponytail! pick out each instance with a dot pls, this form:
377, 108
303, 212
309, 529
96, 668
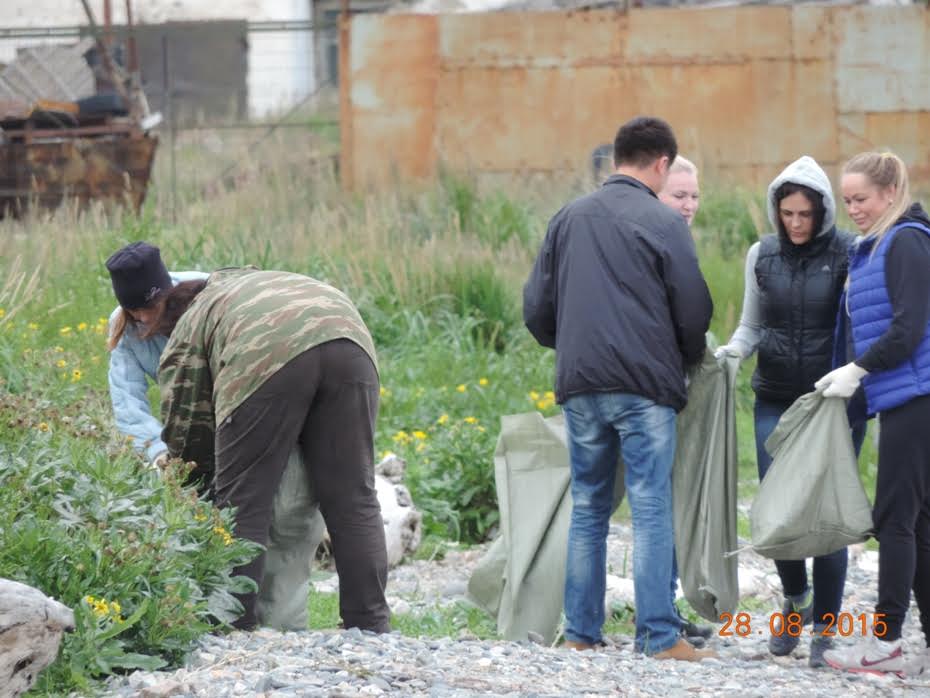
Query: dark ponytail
174, 303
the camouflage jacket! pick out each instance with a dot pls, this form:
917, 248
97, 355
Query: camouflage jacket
242, 328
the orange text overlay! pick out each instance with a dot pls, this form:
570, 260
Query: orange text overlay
842, 624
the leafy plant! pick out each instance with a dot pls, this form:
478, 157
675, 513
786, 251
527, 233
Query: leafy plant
145, 565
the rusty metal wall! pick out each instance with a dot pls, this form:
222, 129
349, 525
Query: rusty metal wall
747, 89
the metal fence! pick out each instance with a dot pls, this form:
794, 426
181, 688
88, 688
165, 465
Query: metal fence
226, 91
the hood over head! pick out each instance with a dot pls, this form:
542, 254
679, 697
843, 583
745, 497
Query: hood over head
806, 171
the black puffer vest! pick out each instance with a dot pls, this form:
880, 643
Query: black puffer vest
799, 288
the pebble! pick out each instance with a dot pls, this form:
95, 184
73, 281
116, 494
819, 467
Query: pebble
355, 663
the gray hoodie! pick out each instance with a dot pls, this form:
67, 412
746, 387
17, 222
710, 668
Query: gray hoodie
806, 171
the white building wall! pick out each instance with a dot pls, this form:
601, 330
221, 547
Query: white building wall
281, 64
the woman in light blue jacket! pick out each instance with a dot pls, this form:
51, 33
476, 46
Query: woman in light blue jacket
133, 360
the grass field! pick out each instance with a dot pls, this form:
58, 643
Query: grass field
437, 274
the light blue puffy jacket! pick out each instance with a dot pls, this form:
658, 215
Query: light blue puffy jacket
132, 363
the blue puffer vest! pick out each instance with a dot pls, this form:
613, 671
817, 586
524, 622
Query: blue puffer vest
870, 313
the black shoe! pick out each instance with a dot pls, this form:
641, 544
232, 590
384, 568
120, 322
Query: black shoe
696, 640
781, 642
819, 644
693, 632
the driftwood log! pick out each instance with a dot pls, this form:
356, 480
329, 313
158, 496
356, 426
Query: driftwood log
402, 521
31, 627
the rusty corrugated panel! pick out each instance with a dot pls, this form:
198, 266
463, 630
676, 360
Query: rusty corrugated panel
747, 89
907, 134
481, 125
813, 31
548, 40
883, 59
392, 89
720, 35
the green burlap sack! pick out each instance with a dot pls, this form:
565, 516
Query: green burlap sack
296, 531
811, 501
521, 578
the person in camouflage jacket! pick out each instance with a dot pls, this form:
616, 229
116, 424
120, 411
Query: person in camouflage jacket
256, 362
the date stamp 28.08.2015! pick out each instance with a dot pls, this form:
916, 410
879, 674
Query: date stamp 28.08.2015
842, 624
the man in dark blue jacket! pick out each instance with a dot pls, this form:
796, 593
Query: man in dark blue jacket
617, 292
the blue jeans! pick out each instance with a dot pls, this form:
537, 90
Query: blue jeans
829, 570
599, 425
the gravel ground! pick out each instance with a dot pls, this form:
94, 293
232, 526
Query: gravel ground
354, 663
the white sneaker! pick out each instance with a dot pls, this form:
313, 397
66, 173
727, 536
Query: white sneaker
869, 655
919, 664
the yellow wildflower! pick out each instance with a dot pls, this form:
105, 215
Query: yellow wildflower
461, 387
33, 326
42, 426
65, 330
420, 435
443, 418
482, 382
401, 437
549, 395
81, 326
61, 363
471, 420
224, 534
76, 375
102, 321
534, 396
2, 312
384, 392
480, 428
59, 349
100, 607
200, 516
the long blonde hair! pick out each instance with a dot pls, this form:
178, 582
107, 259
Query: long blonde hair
885, 171
118, 328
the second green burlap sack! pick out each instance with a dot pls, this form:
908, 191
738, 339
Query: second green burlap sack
521, 578
811, 501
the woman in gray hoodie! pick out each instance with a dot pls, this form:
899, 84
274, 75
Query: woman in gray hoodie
794, 280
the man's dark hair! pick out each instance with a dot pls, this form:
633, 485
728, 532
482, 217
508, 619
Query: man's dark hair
812, 195
643, 140
172, 306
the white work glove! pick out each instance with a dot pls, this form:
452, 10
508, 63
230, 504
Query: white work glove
728, 350
842, 381
160, 461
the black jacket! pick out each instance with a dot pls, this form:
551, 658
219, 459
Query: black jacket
617, 291
799, 291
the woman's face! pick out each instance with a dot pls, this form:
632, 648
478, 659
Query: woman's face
865, 202
682, 194
797, 216
146, 316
